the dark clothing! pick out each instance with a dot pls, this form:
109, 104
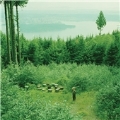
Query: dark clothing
74, 95
49, 86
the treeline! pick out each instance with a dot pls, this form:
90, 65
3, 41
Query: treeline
101, 49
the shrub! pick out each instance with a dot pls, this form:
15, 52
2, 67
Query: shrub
108, 102
27, 108
79, 82
17, 104
9, 94
11, 71
27, 73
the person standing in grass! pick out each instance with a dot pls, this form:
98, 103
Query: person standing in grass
73, 93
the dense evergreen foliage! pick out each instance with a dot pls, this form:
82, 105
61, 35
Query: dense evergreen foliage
104, 49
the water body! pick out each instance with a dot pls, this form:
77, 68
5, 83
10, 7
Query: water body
85, 28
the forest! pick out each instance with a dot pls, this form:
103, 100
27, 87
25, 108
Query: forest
92, 63
99, 50
37, 75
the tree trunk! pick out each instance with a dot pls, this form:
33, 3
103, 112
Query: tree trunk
7, 31
18, 40
100, 31
13, 34
10, 32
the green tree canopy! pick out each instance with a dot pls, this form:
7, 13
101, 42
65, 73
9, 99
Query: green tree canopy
101, 21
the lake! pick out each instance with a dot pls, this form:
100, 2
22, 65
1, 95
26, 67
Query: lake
85, 28
63, 24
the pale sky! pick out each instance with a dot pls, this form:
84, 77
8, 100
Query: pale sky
73, 0
112, 5
73, 4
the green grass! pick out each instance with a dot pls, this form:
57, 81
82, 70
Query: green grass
82, 106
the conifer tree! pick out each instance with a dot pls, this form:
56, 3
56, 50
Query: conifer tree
111, 55
10, 29
21, 4
6, 3
101, 21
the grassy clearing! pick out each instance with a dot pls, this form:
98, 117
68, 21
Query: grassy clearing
82, 106
90, 77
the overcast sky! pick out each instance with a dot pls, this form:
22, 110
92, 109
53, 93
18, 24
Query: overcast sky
74, 0
112, 5
73, 5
